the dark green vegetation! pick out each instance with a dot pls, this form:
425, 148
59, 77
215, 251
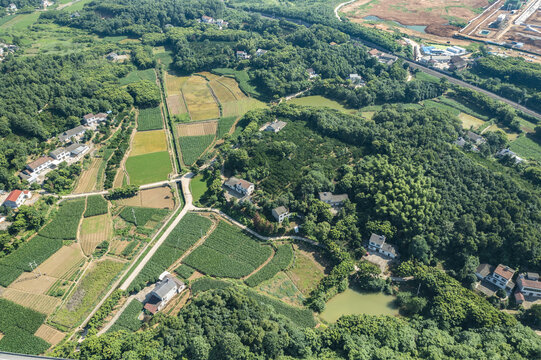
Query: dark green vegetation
184, 271
228, 252
224, 126
118, 144
18, 325
193, 147
103, 312
213, 327
65, 223
183, 236
96, 205
150, 119
281, 260
128, 320
140, 216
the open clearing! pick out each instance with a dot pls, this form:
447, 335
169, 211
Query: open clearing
496, 127
146, 142
201, 103
149, 168
222, 92
470, 122
160, 197
176, 104
94, 230
88, 179
241, 107
283, 288
50, 334
63, 263
526, 148
41, 303
31, 283
197, 129
233, 86
174, 83
138, 75
317, 100
307, 270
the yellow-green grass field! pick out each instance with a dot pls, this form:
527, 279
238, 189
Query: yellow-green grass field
193, 147
233, 86
222, 92
174, 83
21, 22
495, 127
320, 101
87, 293
176, 105
138, 75
241, 107
93, 231
201, 103
77, 6
145, 142
470, 122
198, 186
150, 119
526, 147
148, 168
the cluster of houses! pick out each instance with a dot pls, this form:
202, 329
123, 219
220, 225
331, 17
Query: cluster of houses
163, 292
72, 152
6, 49
218, 22
527, 284
243, 55
444, 59
475, 140
377, 243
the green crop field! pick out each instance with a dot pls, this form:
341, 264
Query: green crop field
184, 271
148, 168
224, 126
198, 187
426, 77
138, 75
96, 205
281, 260
128, 320
183, 236
66, 221
319, 101
150, 119
242, 78
18, 325
193, 147
527, 148
38, 249
77, 6
21, 22
228, 252
87, 293
139, 216
441, 106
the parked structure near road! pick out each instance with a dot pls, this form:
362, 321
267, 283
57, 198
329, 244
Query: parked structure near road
377, 243
280, 213
163, 292
17, 198
240, 185
333, 200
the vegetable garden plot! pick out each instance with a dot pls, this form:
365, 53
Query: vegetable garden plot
150, 119
281, 260
192, 147
66, 221
228, 252
96, 205
140, 216
129, 319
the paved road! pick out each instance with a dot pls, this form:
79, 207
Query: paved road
105, 192
13, 356
339, 6
185, 181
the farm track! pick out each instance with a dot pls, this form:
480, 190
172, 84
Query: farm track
260, 266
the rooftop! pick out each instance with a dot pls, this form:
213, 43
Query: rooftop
328, 196
38, 162
529, 283
377, 239
484, 269
233, 181
504, 271
277, 125
280, 210
164, 287
14, 195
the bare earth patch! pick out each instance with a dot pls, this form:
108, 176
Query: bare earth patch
63, 263
50, 334
41, 303
176, 104
31, 283
160, 197
197, 129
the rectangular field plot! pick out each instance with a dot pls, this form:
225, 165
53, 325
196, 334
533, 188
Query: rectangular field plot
233, 86
241, 107
41, 303
50, 334
64, 262
87, 293
17, 325
222, 92
527, 148
197, 129
183, 236
94, 230
176, 104
192, 147
228, 252
138, 75
129, 319
470, 122
148, 168
150, 119
224, 126
199, 99
88, 178
66, 221
140, 216
96, 205
174, 83
160, 197
146, 142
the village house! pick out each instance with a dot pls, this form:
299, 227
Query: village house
475, 138
243, 55
483, 270
377, 243
260, 52
387, 59
38, 165
207, 19
501, 277
333, 200
90, 119
529, 284
356, 79
240, 185
72, 134
457, 63
112, 56
12, 7
280, 213
519, 298
163, 292
275, 126
221, 23
374, 52
311, 73
511, 154
16, 198
59, 154
77, 149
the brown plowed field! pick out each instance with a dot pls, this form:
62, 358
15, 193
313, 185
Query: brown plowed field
160, 197
174, 83
87, 180
94, 230
31, 283
63, 262
41, 303
176, 104
49, 334
199, 99
197, 129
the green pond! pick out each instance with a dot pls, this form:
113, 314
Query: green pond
352, 302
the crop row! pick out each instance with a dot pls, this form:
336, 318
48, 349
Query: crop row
35, 251
213, 263
193, 147
184, 271
183, 236
140, 216
280, 261
96, 205
128, 320
66, 221
150, 119
18, 324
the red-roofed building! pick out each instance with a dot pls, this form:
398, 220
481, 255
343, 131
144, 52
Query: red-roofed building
529, 285
16, 198
501, 277
519, 298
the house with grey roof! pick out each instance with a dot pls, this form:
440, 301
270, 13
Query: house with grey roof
377, 243
483, 270
280, 213
77, 149
332, 199
59, 154
163, 292
72, 134
240, 185
475, 138
275, 126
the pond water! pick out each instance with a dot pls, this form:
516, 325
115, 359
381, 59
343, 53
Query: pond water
352, 302
419, 28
